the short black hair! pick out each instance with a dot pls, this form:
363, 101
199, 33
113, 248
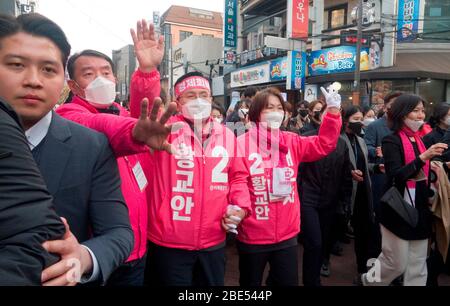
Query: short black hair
392, 95
349, 111
439, 113
402, 106
73, 59
37, 25
250, 92
189, 75
219, 107
367, 109
304, 103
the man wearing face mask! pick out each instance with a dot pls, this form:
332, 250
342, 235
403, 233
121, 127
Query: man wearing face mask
93, 84
190, 193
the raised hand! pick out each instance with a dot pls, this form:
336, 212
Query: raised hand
332, 97
148, 48
152, 132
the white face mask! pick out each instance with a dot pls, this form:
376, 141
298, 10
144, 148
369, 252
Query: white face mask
243, 112
273, 119
198, 109
447, 121
368, 121
218, 120
101, 92
413, 124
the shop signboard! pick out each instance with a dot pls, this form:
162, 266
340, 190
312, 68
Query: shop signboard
279, 69
296, 70
230, 37
251, 76
298, 17
408, 19
335, 60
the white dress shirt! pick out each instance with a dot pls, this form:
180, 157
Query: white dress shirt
35, 135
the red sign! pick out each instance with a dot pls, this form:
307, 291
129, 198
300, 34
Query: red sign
298, 16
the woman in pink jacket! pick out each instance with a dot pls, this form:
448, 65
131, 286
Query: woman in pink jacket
272, 158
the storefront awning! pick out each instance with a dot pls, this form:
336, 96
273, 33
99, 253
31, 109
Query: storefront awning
408, 66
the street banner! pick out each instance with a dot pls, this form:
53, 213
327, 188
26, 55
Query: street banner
258, 74
335, 60
230, 24
279, 69
298, 16
296, 70
408, 19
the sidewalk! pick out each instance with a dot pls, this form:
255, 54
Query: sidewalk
343, 268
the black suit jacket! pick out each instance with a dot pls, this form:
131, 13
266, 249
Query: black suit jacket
82, 175
27, 215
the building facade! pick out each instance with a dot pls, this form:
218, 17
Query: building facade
124, 66
179, 23
18, 7
407, 48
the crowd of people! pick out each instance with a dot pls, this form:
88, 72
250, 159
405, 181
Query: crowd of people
98, 194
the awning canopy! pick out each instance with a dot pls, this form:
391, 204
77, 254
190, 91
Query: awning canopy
434, 65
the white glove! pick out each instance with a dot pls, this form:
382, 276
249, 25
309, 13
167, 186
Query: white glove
332, 97
232, 228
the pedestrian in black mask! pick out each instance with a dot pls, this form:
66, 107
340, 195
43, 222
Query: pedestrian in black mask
363, 221
315, 111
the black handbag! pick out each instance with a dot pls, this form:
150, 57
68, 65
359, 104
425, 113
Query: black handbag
404, 210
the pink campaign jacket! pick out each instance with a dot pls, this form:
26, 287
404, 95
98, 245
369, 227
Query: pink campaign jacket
189, 192
118, 129
277, 221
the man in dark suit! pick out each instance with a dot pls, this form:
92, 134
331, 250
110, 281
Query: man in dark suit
77, 163
27, 215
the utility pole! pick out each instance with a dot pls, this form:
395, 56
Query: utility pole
357, 82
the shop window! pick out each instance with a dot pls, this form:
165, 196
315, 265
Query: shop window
433, 91
381, 89
337, 16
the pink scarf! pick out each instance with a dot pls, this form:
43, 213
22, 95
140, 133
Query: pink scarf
408, 149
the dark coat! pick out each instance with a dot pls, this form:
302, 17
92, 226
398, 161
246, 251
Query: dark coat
398, 172
27, 215
82, 175
317, 181
435, 136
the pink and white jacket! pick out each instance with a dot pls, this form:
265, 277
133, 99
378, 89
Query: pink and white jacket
275, 220
190, 191
118, 130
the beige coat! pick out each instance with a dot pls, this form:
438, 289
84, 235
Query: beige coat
441, 208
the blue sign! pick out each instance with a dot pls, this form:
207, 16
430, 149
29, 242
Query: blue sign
279, 69
296, 70
230, 21
335, 60
408, 23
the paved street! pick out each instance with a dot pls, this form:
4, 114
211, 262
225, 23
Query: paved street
343, 268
